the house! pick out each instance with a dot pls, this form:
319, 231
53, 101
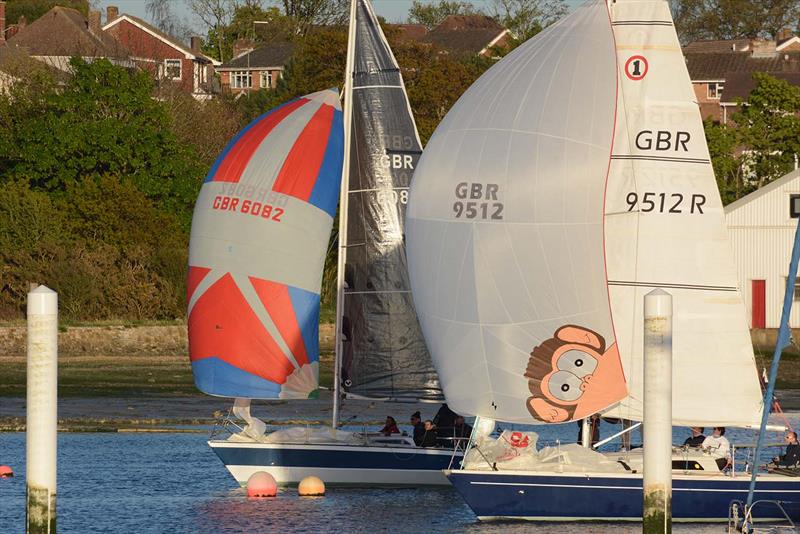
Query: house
761, 227
256, 69
721, 71
62, 33
167, 59
467, 35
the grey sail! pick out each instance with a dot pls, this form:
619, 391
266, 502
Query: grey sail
383, 351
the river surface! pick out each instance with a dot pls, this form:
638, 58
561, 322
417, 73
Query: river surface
173, 482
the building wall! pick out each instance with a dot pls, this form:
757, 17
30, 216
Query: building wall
762, 234
147, 47
225, 80
708, 107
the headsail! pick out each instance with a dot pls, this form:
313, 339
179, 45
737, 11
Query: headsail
528, 262
383, 351
259, 237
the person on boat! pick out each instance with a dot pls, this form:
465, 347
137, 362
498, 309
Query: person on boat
429, 438
594, 423
390, 427
697, 438
419, 428
444, 419
792, 456
461, 429
719, 447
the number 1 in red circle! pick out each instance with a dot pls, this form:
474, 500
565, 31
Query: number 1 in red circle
636, 67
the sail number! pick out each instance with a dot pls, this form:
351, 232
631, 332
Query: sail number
665, 202
477, 201
248, 207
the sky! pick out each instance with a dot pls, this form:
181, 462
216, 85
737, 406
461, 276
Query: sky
391, 10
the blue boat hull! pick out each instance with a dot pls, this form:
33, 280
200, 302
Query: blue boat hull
560, 497
338, 464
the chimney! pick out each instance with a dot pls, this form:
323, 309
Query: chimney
242, 47
94, 22
197, 44
2, 22
22, 21
112, 12
784, 35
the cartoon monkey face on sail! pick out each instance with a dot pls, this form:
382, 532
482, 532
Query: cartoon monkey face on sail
572, 375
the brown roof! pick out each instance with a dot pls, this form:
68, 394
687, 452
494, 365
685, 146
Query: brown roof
65, 32
268, 55
410, 32
739, 85
717, 47
464, 35
707, 66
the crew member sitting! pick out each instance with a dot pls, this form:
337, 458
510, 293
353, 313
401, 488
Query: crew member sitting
419, 428
792, 456
429, 438
697, 438
390, 427
719, 447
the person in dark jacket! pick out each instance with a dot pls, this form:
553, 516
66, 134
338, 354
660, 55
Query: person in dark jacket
419, 428
429, 438
792, 456
445, 419
697, 438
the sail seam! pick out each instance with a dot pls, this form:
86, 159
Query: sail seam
671, 285
660, 158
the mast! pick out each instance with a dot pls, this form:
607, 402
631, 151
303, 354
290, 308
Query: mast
343, 196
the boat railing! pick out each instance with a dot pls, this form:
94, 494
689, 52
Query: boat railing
223, 423
740, 518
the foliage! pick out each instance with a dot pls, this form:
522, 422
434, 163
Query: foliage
732, 19
310, 13
526, 18
769, 127
431, 14
722, 144
102, 121
33, 9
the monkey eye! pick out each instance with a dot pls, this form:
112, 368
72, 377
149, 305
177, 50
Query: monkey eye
577, 362
564, 386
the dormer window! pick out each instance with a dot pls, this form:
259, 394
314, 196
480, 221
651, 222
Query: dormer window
715, 90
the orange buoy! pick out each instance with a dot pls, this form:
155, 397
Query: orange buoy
6, 471
311, 486
261, 484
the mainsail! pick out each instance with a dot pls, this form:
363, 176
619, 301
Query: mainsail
570, 180
259, 236
382, 349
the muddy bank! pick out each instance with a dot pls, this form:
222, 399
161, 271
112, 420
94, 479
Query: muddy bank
118, 340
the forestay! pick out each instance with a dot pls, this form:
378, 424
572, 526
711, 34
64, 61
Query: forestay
546, 204
259, 237
383, 352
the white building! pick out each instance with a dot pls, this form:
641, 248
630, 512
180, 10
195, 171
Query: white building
761, 229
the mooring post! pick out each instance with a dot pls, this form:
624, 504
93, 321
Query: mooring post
42, 421
657, 483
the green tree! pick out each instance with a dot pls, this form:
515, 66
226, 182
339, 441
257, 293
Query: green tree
431, 14
733, 19
102, 121
723, 142
526, 18
33, 9
769, 128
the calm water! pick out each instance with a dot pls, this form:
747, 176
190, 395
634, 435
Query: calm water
174, 483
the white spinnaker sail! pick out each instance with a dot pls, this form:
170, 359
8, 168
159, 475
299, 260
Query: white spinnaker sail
504, 225
665, 227
537, 129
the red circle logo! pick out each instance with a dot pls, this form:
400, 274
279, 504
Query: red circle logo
636, 68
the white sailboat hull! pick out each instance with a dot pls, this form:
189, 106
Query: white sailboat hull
355, 465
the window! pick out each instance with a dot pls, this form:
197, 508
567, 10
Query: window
172, 69
794, 206
241, 79
266, 80
715, 90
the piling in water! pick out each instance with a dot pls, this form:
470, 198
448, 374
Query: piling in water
42, 420
657, 483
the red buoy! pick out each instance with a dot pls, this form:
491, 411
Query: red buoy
6, 471
261, 484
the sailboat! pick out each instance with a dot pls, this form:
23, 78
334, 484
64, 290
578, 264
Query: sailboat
259, 238
569, 181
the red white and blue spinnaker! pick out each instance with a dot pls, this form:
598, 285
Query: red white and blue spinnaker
259, 237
